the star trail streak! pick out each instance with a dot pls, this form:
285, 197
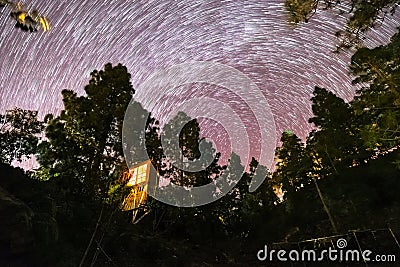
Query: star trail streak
285, 61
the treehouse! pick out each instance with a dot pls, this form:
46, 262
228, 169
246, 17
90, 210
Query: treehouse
137, 179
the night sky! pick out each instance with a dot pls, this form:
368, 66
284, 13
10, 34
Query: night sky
286, 62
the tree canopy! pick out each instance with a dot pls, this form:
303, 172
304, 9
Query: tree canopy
84, 141
363, 15
378, 102
19, 134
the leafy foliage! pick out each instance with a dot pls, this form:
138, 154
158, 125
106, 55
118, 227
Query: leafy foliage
185, 146
19, 134
293, 163
301, 10
84, 142
336, 139
378, 105
365, 14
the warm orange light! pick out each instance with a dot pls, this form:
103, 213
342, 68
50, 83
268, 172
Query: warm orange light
138, 175
137, 178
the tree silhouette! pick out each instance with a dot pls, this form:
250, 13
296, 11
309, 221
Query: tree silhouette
293, 164
378, 105
336, 139
19, 134
365, 14
84, 142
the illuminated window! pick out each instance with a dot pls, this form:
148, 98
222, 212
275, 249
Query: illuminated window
139, 175
142, 173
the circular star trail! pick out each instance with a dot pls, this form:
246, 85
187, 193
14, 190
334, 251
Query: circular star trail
285, 61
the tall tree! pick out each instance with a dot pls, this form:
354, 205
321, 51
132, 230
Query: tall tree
83, 155
84, 142
298, 167
293, 164
181, 136
336, 139
378, 105
246, 214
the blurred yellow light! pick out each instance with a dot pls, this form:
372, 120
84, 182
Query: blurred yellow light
44, 23
21, 17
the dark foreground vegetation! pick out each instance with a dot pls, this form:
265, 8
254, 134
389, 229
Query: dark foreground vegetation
343, 177
41, 227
